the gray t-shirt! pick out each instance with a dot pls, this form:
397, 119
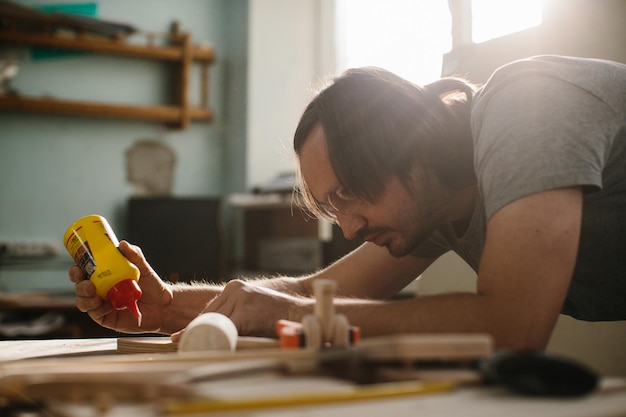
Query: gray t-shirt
544, 123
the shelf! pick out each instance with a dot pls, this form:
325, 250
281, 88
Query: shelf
172, 115
179, 51
105, 46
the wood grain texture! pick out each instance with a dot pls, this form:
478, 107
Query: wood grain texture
163, 344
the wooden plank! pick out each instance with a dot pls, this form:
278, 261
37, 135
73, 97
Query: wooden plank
105, 46
16, 375
14, 350
167, 114
420, 347
163, 344
155, 344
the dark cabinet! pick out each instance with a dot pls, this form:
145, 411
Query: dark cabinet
179, 236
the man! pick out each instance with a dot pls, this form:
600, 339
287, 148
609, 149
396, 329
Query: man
525, 179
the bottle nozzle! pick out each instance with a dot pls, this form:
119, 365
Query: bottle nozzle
124, 295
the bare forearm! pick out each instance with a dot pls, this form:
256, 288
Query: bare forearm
187, 302
448, 313
286, 285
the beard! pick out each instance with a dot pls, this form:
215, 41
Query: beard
407, 242
402, 243
417, 209
428, 214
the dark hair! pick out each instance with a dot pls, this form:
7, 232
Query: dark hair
378, 125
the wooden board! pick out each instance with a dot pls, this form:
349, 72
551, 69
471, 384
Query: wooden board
163, 344
14, 350
146, 344
158, 363
426, 347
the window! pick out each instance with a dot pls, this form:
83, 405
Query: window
495, 18
407, 37
410, 37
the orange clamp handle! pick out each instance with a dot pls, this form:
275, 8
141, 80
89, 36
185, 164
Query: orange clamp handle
290, 334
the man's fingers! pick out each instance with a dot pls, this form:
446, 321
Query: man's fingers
99, 314
129, 251
88, 304
135, 255
76, 275
86, 298
85, 289
175, 337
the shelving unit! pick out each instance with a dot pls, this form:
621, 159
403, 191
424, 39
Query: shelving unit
179, 51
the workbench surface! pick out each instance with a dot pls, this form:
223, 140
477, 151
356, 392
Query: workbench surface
608, 401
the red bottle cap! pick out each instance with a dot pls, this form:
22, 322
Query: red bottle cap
124, 295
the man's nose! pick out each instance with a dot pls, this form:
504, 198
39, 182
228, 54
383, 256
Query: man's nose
350, 224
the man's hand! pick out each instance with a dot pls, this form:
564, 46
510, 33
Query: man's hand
156, 296
255, 309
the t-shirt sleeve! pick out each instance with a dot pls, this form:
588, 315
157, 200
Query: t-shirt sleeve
534, 133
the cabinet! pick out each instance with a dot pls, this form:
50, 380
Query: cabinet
178, 51
180, 237
279, 238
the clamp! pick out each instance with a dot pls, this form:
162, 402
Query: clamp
322, 329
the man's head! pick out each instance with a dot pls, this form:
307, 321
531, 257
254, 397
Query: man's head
379, 131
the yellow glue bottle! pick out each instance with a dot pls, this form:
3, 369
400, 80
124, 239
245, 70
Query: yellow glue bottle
94, 247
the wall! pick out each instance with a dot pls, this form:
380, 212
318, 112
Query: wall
54, 169
289, 54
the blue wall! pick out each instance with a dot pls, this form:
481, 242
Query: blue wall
55, 169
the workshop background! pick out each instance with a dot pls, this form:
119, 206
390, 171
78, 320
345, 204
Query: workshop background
270, 54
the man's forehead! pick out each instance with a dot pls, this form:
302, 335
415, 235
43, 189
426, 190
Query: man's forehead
316, 136
314, 147
317, 172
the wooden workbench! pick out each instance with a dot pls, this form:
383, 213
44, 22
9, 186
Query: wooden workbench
609, 401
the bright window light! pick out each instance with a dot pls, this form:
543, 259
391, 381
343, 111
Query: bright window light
494, 18
407, 37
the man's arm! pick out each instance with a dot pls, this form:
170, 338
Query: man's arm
168, 308
524, 275
368, 272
